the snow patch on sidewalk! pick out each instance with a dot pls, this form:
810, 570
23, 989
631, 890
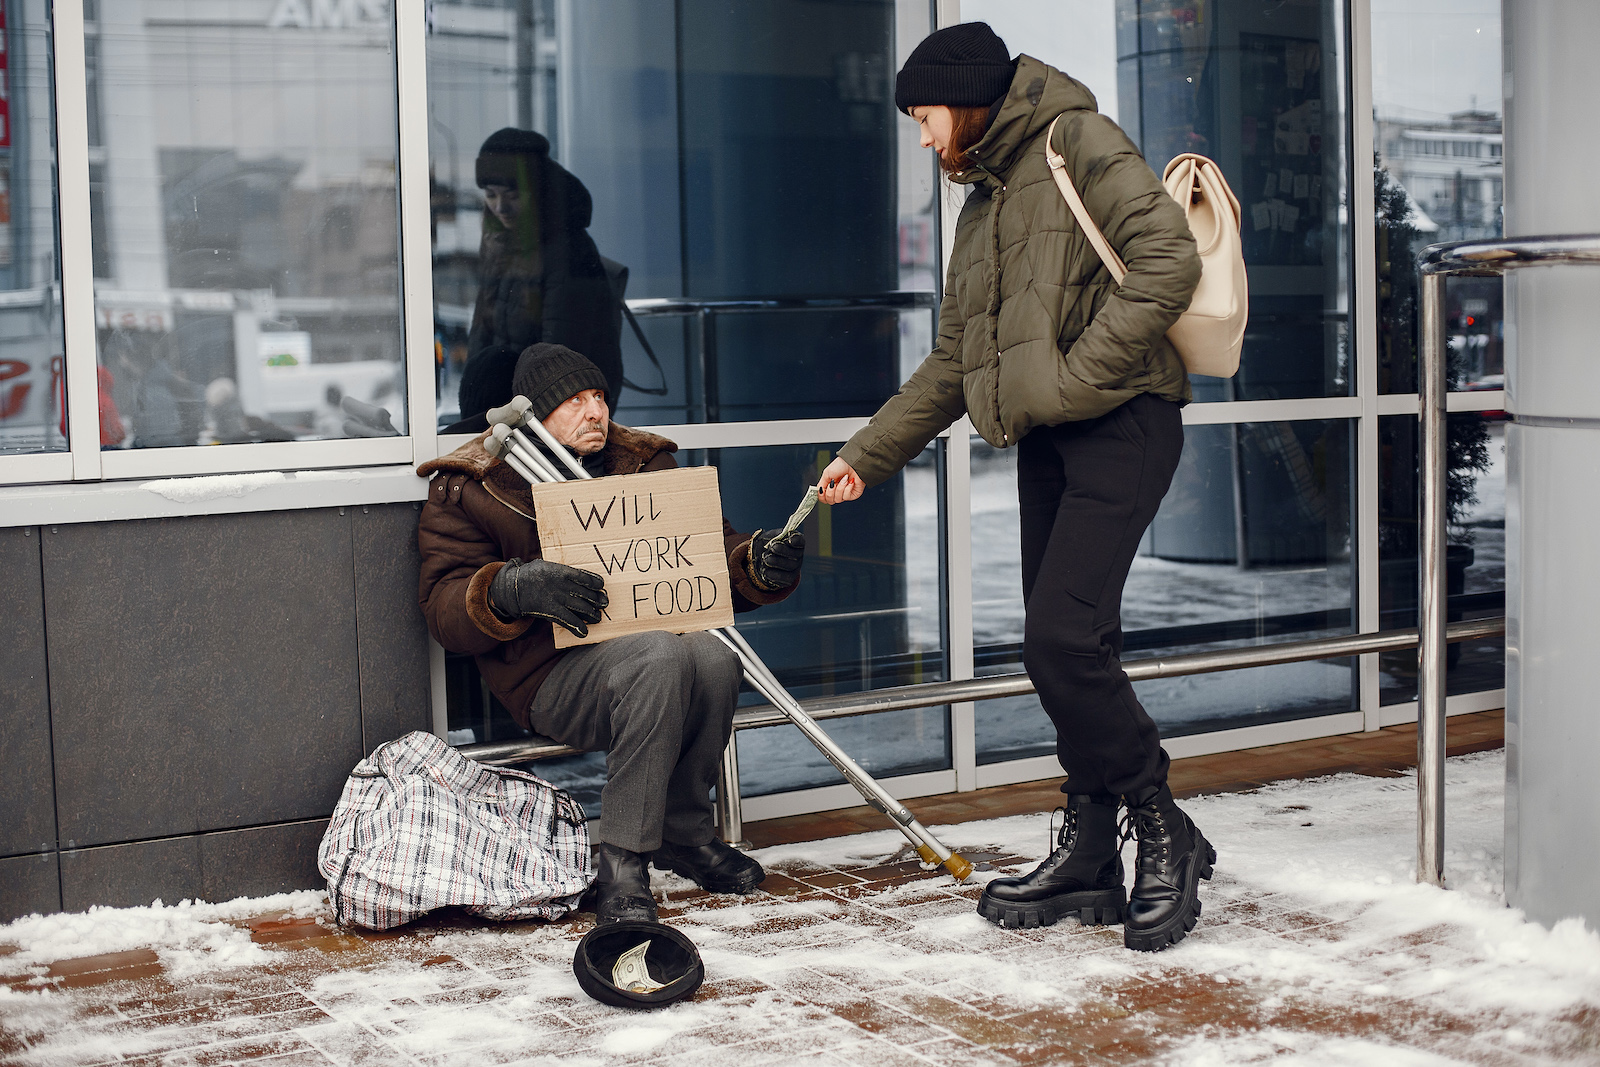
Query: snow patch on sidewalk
189, 937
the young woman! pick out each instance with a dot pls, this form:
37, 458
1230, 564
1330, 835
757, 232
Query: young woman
1047, 353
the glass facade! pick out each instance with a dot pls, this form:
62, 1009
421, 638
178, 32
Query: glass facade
33, 415
243, 190
1439, 176
1262, 90
719, 203
1252, 544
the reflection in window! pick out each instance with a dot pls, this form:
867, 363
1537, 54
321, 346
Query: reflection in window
709, 154
1259, 88
1475, 549
245, 221
1438, 177
33, 415
1252, 543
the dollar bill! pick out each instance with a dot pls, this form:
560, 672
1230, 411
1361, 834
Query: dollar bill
630, 973
806, 505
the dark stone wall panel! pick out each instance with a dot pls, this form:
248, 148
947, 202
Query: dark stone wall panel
29, 884
395, 692
215, 867
131, 876
261, 860
27, 789
203, 672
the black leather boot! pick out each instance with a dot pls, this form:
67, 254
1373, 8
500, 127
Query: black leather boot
1081, 878
622, 887
1173, 857
714, 866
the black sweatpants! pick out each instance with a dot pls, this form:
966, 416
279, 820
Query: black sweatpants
1088, 491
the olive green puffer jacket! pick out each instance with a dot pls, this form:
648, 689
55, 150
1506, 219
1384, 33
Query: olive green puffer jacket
1033, 331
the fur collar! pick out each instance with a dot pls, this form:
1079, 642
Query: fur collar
627, 451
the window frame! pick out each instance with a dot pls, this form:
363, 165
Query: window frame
84, 461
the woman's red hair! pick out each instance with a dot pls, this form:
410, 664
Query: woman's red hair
967, 127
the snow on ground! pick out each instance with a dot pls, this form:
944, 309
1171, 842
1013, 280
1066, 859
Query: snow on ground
1313, 917
190, 937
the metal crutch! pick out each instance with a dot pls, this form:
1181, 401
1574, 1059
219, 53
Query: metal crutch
507, 440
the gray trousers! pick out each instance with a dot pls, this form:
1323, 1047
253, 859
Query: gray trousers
661, 706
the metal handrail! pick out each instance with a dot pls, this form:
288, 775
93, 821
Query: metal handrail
1472, 258
931, 694
898, 299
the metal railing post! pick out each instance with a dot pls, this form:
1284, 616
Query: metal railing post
730, 815
1432, 592
1479, 259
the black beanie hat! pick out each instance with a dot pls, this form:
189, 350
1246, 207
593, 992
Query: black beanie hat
486, 379
959, 66
549, 374
497, 159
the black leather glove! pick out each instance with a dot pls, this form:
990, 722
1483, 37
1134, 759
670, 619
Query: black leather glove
539, 588
774, 564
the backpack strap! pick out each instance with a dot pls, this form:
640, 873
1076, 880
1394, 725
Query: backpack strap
1069, 193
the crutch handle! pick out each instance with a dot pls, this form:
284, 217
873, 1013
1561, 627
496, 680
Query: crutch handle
512, 414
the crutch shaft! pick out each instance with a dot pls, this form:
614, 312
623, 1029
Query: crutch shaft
532, 457
557, 449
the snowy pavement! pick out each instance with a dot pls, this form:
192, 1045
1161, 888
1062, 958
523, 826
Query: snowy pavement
1316, 948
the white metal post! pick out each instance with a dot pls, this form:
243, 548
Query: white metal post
1364, 340
416, 242
77, 243
958, 583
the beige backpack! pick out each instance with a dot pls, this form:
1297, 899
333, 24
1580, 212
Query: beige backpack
1210, 334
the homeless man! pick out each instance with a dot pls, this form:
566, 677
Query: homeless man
660, 704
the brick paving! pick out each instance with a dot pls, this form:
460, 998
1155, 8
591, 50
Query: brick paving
784, 963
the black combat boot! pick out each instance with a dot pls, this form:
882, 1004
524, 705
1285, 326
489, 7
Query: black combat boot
1173, 857
714, 866
622, 887
1082, 877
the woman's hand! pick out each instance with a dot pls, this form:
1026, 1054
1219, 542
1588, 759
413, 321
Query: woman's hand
839, 483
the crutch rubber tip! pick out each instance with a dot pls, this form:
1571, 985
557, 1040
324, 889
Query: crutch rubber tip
930, 858
958, 866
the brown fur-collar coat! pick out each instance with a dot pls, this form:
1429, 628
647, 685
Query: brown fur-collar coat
479, 514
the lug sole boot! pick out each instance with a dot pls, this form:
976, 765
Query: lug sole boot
1173, 858
1080, 879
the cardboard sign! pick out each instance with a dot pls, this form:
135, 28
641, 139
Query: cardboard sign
656, 539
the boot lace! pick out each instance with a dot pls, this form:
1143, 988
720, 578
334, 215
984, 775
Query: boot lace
1066, 835
1148, 826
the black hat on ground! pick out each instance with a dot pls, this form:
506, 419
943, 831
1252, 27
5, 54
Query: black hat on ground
965, 65
548, 374
671, 961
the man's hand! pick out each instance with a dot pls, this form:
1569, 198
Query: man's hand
774, 563
839, 483
542, 589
